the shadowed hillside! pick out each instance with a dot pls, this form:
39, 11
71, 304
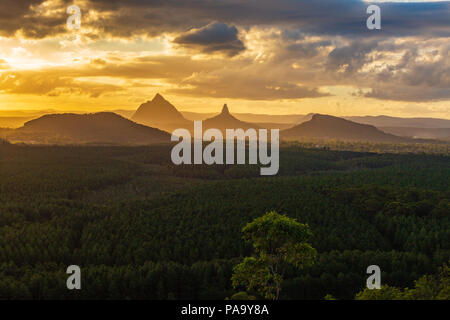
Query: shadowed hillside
329, 127
102, 128
386, 121
419, 133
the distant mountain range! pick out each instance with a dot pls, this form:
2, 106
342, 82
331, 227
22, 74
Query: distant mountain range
413, 128
419, 133
96, 128
385, 121
154, 120
290, 119
416, 128
160, 113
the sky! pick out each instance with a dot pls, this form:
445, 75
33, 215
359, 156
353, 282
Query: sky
259, 56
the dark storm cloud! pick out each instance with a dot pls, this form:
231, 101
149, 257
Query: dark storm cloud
307, 50
323, 17
215, 37
24, 15
153, 17
351, 58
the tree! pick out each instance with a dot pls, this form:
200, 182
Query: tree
278, 241
429, 287
241, 296
385, 293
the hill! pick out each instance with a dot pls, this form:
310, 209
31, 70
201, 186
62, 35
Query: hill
419, 133
225, 121
386, 121
160, 113
253, 117
101, 128
265, 121
329, 127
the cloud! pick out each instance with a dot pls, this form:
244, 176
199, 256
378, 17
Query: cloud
245, 83
251, 92
39, 18
4, 65
307, 49
173, 68
213, 38
284, 49
292, 70
409, 93
351, 58
51, 84
34, 19
418, 76
206, 77
86, 79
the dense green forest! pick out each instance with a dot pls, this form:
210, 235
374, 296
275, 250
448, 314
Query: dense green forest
142, 228
428, 287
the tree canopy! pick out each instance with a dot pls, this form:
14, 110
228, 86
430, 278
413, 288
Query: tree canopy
277, 240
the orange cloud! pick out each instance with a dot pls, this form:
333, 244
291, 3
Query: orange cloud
4, 65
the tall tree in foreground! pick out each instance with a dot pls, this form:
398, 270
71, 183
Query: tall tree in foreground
278, 241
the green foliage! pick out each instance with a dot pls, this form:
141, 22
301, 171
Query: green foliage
428, 287
277, 240
241, 296
385, 293
142, 228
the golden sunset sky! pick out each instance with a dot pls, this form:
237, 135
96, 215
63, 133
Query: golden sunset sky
259, 56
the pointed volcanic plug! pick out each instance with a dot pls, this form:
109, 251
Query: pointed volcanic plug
225, 110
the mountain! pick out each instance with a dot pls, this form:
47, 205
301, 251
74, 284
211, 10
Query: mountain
269, 125
253, 117
225, 121
329, 127
100, 128
160, 113
17, 118
419, 133
253, 120
386, 121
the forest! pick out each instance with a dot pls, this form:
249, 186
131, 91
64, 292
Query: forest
140, 227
